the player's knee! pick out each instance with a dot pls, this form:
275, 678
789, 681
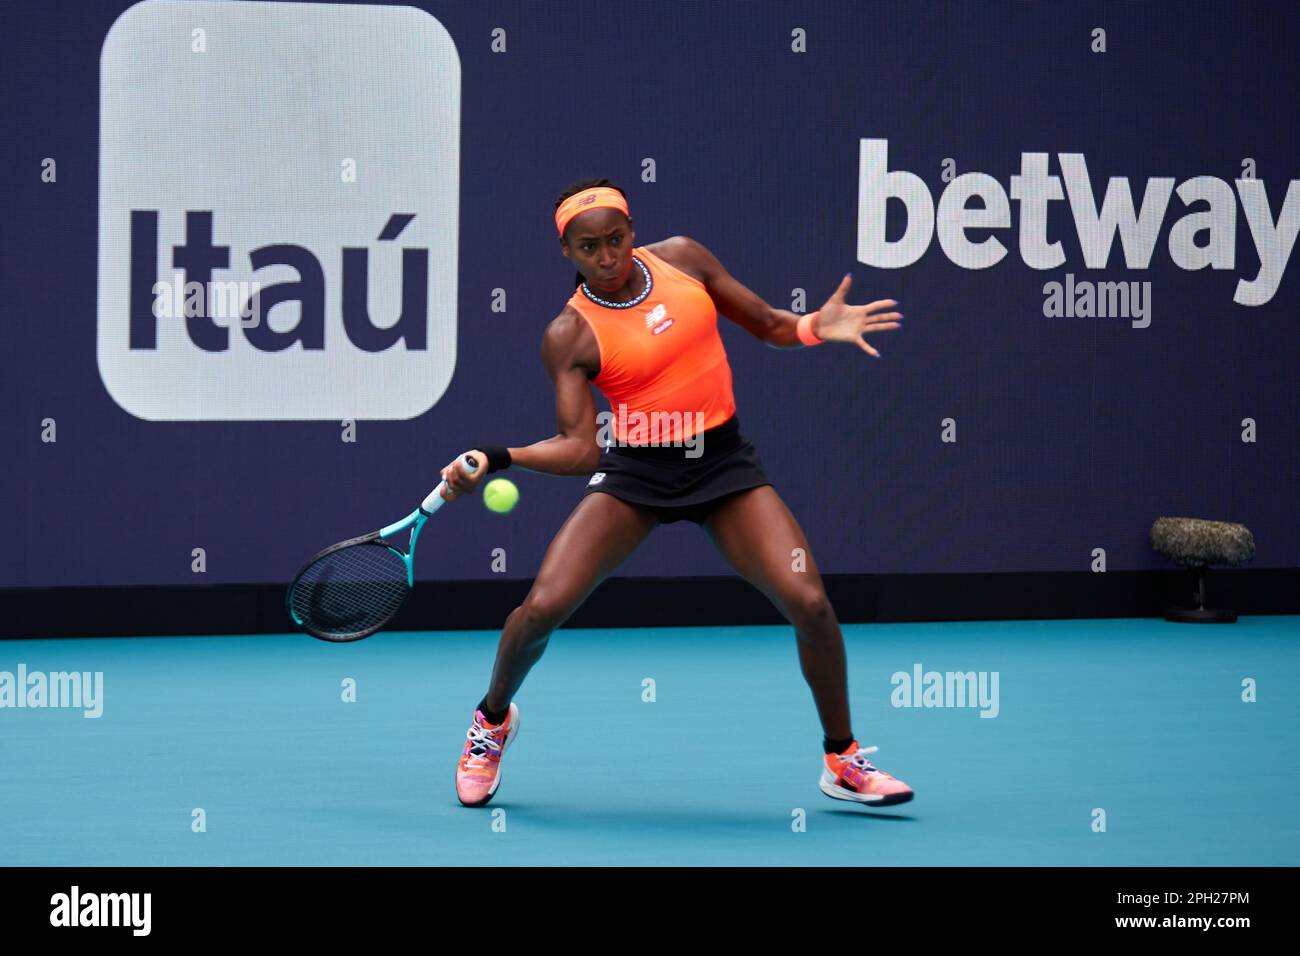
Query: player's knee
541, 613
810, 606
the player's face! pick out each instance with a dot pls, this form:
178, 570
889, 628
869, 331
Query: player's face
599, 243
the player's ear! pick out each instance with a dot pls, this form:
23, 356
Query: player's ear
564, 247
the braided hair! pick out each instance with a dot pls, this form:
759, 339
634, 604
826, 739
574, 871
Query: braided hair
573, 190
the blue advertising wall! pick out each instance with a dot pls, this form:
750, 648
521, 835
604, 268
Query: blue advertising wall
993, 435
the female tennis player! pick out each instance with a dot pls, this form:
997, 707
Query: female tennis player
642, 326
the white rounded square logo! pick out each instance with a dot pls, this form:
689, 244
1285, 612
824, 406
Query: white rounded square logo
278, 211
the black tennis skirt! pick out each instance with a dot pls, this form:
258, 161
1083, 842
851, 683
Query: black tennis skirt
677, 487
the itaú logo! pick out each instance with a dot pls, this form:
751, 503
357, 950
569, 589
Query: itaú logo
1205, 237
278, 211
201, 298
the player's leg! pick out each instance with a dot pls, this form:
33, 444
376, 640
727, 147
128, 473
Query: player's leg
759, 537
600, 533
596, 538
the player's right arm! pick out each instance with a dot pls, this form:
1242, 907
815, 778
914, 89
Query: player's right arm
571, 358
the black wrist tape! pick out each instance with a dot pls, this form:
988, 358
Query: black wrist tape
498, 457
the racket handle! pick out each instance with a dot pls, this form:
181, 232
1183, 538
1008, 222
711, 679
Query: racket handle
435, 499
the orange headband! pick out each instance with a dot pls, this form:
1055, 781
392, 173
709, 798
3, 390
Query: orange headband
592, 198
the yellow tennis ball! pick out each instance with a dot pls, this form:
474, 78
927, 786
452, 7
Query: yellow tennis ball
500, 495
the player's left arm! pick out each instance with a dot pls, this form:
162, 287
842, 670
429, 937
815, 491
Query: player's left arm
835, 321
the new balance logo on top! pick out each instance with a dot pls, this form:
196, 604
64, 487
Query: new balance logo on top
654, 320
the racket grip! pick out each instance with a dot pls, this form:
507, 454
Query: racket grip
435, 499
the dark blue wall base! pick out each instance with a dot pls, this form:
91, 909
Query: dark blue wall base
658, 602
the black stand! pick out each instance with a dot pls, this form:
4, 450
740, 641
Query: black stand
1200, 614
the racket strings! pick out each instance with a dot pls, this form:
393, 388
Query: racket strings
350, 591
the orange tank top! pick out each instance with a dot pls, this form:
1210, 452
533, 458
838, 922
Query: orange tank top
663, 368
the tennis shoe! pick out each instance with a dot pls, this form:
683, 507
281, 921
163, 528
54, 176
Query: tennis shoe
851, 776
478, 772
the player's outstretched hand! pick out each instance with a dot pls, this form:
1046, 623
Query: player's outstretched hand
462, 482
837, 321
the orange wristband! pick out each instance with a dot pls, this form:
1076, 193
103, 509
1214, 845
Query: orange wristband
805, 330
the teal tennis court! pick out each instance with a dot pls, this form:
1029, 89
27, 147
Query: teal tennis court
1141, 719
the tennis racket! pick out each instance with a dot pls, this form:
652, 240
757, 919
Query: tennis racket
355, 587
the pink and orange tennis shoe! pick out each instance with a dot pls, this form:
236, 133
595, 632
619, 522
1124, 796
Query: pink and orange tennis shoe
478, 773
851, 776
